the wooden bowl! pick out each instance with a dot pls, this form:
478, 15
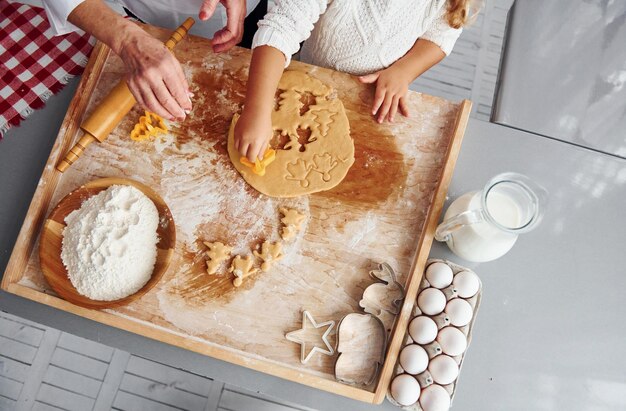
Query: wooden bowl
52, 237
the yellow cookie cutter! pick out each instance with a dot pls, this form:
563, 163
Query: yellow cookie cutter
148, 126
258, 167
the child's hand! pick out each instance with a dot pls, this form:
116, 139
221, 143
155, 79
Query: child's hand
391, 88
253, 132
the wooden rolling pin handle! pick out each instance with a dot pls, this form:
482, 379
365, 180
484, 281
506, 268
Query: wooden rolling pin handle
76, 152
113, 108
180, 33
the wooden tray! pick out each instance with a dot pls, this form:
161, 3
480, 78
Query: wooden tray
386, 209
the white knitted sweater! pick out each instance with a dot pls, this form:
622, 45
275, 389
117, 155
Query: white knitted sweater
354, 36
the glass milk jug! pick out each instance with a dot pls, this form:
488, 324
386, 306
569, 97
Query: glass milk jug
483, 225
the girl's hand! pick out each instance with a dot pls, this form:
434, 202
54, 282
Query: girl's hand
253, 132
391, 88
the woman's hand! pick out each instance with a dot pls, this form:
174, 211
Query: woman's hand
232, 34
253, 132
155, 77
391, 88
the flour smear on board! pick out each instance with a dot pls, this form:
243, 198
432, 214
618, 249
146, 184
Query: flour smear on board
109, 243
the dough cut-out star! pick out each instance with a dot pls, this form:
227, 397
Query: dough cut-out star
308, 332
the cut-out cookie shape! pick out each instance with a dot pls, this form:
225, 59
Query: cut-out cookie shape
319, 151
361, 344
288, 232
324, 164
258, 167
148, 126
309, 337
218, 253
270, 253
241, 267
383, 298
299, 171
292, 223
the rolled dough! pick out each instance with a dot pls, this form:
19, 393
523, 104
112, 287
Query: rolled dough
316, 151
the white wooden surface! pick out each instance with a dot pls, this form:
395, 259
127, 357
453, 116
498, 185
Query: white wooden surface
44, 369
471, 70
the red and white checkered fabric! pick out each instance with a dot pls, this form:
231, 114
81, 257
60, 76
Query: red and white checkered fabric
34, 65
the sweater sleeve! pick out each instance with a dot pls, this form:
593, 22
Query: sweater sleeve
440, 32
288, 24
58, 11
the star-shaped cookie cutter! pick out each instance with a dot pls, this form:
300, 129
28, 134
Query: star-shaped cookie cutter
297, 337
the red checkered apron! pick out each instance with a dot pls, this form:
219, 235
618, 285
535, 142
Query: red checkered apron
34, 65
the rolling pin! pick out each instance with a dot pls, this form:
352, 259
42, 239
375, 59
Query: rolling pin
112, 109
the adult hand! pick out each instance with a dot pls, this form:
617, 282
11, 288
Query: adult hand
232, 34
155, 77
391, 89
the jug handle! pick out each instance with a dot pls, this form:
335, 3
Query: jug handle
447, 227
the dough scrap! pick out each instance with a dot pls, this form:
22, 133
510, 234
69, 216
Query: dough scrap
218, 253
319, 150
241, 267
288, 232
291, 217
270, 253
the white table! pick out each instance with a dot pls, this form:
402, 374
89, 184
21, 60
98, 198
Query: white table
551, 332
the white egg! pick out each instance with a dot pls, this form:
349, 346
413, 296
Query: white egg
443, 369
405, 389
453, 342
459, 311
414, 359
431, 301
439, 275
435, 398
423, 330
466, 284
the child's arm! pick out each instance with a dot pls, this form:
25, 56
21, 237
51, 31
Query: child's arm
280, 33
393, 82
254, 128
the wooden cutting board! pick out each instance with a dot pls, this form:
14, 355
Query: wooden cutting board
386, 209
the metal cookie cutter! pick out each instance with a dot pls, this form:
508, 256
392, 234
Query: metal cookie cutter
303, 337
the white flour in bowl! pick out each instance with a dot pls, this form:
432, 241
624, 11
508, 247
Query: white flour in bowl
109, 243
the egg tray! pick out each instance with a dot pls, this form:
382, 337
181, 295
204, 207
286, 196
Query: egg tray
467, 330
